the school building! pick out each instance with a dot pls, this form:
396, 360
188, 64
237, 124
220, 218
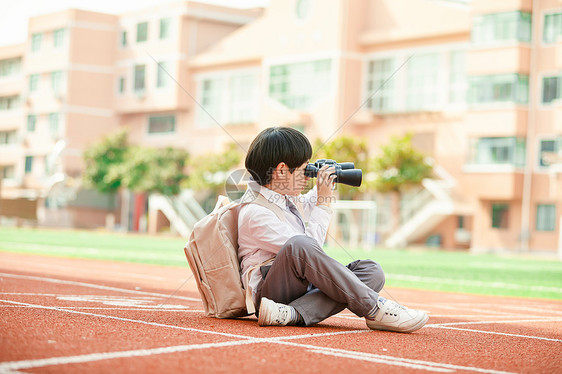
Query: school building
478, 84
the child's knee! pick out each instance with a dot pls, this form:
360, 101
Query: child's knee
299, 243
371, 273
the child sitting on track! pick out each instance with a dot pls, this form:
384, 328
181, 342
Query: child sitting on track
303, 285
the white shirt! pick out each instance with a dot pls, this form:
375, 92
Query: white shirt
261, 234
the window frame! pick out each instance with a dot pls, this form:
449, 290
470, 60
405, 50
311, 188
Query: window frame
59, 36
31, 123
137, 79
557, 35
165, 28
36, 42
501, 222
142, 33
494, 28
545, 221
151, 117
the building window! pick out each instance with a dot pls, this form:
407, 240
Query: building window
139, 78
423, 82
300, 85
497, 151
33, 82
10, 67
161, 124
31, 122
28, 164
54, 124
8, 137
121, 85
551, 89
546, 217
502, 27
212, 100
379, 87
124, 38
422, 91
552, 28
9, 102
243, 98
142, 32
36, 40
58, 37
230, 98
165, 28
302, 9
162, 74
548, 147
8, 171
57, 81
457, 77
500, 215
504, 88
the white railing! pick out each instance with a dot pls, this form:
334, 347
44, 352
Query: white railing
425, 208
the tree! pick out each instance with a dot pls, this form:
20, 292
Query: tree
152, 170
113, 163
101, 161
209, 172
400, 165
345, 149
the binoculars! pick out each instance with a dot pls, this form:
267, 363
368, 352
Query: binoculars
345, 172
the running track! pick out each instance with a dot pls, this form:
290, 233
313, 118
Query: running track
78, 316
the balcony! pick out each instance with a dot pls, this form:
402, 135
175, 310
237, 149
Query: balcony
500, 182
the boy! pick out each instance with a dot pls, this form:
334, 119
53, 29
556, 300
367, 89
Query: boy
292, 280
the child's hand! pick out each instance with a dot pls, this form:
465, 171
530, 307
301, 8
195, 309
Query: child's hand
325, 185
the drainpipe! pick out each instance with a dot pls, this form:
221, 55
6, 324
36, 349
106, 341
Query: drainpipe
529, 144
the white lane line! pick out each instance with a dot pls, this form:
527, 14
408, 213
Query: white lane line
92, 285
545, 319
497, 333
30, 364
464, 308
501, 285
387, 360
100, 308
398, 361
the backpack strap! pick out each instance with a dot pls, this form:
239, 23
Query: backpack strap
254, 197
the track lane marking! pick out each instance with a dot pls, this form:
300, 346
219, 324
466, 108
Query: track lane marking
96, 286
383, 359
497, 333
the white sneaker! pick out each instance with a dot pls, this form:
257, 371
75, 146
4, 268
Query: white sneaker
392, 316
273, 314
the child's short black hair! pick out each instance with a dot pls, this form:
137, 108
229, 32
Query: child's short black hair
274, 145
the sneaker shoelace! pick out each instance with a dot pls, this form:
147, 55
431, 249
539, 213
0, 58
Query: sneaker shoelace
395, 308
282, 315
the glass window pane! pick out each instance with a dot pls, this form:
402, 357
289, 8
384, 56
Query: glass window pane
550, 89
31, 121
546, 217
300, 85
500, 215
139, 78
165, 27
142, 32
161, 124
28, 164
162, 76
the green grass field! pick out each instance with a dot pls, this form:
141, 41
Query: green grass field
427, 269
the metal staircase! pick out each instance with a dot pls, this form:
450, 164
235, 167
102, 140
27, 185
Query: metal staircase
183, 211
425, 208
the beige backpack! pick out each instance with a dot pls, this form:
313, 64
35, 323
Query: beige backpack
212, 254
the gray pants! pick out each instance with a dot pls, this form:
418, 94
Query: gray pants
302, 262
